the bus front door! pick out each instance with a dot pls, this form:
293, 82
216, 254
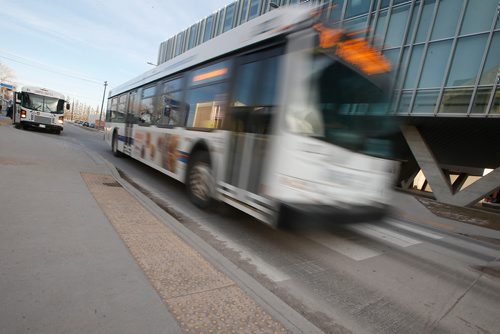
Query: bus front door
130, 120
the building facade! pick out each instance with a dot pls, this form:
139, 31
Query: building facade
446, 56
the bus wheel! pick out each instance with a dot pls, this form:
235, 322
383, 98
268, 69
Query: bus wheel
200, 180
114, 146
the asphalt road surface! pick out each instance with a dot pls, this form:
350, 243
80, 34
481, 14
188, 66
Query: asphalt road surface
375, 277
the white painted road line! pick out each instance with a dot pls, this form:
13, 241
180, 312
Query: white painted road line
384, 234
351, 249
413, 229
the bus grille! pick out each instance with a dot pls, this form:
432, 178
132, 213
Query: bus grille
43, 120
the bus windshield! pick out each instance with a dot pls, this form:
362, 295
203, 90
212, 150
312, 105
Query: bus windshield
347, 108
42, 103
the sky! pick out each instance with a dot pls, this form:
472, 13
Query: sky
74, 46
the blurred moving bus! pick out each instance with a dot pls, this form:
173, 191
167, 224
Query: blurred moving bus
282, 113
39, 107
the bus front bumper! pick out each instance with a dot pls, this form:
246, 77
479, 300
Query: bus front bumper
42, 126
312, 215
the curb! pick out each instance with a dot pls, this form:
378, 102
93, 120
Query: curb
282, 312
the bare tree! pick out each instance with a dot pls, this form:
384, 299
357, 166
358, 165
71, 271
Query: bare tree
7, 75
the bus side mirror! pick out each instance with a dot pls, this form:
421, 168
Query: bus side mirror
18, 98
68, 106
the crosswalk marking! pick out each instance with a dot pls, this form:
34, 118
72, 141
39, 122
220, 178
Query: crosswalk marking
413, 229
384, 234
359, 249
351, 249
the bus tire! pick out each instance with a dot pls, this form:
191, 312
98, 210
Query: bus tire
114, 145
200, 182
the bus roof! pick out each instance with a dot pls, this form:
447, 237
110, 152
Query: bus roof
42, 91
271, 24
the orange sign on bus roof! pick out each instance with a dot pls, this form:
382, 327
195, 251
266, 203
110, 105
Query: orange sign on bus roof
356, 51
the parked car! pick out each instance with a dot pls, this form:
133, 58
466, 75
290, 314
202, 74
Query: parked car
92, 125
85, 124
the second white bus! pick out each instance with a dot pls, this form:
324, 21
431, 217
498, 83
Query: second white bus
39, 108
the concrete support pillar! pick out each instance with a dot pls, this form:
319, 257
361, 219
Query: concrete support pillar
439, 182
434, 175
459, 182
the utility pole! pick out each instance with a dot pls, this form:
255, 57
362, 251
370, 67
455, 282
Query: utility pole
102, 104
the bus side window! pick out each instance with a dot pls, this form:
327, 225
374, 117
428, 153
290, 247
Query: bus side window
254, 96
144, 112
206, 100
170, 109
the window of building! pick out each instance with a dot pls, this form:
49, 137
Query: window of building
435, 64
379, 29
446, 19
404, 103
229, 18
392, 56
397, 24
357, 7
466, 61
220, 20
425, 21
425, 101
479, 16
179, 43
357, 24
385, 3
208, 28
244, 11
495, 108
336, 12
170, 48
413, 24
192, 36
492, 65
254, 9
265, 7
455, 101
481, 101
413, 67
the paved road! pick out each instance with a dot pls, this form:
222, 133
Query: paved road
378, 277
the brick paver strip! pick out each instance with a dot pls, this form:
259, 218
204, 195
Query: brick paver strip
201, 298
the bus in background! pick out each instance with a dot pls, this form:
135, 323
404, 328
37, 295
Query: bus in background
40, 108
281, 114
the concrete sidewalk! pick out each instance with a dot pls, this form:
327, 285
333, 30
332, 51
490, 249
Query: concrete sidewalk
63, 269
81, 252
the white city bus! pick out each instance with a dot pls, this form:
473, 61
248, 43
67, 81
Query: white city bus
280, 114
39, 107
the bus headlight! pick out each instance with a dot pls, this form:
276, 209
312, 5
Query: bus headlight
23, 113
60, 120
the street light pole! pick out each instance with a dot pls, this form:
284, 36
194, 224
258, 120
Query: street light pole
102, 104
